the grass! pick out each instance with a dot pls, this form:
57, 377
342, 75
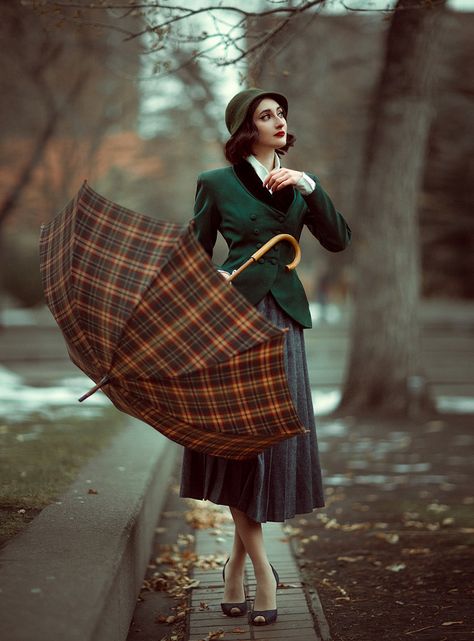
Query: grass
40, 457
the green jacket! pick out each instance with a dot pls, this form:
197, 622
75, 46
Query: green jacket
223, 203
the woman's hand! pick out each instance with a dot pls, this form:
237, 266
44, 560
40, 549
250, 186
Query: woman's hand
279, 178
224, 274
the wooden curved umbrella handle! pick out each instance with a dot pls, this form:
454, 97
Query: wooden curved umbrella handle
263, 250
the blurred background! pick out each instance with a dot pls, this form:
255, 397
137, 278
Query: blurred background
130, 96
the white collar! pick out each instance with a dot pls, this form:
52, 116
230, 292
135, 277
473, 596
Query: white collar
260, 169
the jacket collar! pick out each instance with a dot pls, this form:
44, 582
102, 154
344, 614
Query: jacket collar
280, 200
260, 169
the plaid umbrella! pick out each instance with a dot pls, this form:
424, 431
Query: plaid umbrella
147, 317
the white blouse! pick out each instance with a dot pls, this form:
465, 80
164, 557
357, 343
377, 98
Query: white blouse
305, 184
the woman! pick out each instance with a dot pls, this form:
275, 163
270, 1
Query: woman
249, 202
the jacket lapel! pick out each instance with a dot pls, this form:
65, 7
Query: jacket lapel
280, 200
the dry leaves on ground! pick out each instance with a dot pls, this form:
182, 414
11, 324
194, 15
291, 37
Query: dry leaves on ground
203, 515
213, 635
181, 559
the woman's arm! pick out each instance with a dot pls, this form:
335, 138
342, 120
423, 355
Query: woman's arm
322, 218
324, 221
206, 216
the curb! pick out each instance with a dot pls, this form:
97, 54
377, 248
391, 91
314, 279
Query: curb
75, 572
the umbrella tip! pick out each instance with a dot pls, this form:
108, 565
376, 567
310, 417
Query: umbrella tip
93, 390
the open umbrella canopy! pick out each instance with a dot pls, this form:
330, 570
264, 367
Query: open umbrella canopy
147, 317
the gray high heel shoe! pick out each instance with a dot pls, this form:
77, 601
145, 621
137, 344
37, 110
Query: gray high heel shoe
233, 609
270, 616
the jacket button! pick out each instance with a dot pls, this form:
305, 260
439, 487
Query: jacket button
259, 245
261, 260
256, 231
253, 217
273, 261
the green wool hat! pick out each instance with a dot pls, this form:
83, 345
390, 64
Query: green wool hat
237, 108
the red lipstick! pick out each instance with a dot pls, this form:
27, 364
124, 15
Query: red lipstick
280, 134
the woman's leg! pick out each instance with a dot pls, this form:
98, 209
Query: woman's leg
249, 538
234, 572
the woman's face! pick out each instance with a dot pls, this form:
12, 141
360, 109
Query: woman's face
269, 119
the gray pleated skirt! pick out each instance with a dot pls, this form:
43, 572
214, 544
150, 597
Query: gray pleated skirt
283, 480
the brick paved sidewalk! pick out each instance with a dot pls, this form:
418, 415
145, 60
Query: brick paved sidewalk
300, 615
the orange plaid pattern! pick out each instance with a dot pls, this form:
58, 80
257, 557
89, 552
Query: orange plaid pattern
139, 301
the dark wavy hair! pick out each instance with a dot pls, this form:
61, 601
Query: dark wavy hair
240, 144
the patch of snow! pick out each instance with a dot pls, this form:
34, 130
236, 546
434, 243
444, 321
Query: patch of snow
18, 400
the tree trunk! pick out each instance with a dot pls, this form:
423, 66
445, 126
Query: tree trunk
384, 374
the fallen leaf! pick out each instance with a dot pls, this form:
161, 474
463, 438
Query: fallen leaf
349, 559
416, 524
330, 584
92, 491
390, 537
203, 606
291, 531
193, 584
185, 539
237, 630
396, 567
332, 524
453, 623
437, 508
215, 634
352, 527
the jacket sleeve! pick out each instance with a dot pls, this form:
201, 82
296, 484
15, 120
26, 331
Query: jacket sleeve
206, 216
324, 221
